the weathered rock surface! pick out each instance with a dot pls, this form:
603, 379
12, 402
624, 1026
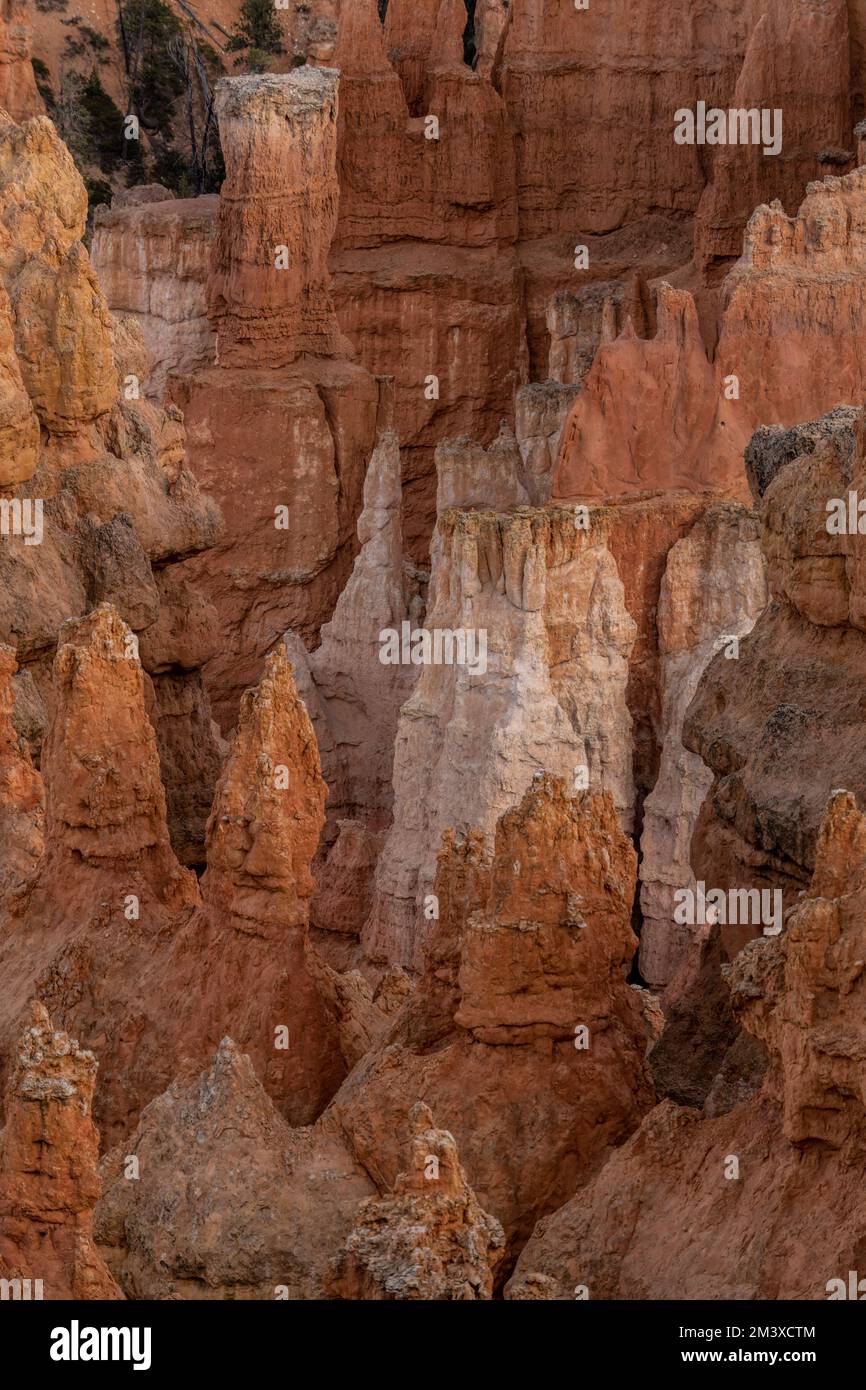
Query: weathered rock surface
417, 311
18, 92
429, 1239
539, 686
791, 700
267, 816
108, 926
493, 1017
354, 699
565, 71
300, 439
764, 1201
680, 433
48, 1176
19, 423
118, 506
655, 411
152, 258
327, 1232
108, 887
711, 594
249, 1196
21, 796
492, 1020
62, 329
796, 296
270, 285
796, 63
462, 285
427, 282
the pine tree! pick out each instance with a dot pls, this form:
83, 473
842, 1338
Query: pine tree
257, 30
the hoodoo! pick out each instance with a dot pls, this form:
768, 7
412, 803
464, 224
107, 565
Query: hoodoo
432, 655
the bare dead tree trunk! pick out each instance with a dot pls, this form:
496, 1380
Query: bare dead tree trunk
207, 98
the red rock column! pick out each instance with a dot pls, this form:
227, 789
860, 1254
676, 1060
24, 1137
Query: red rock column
269, 291
268, 813
48, 1176
18, 92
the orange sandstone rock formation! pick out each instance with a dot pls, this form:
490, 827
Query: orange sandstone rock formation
18, 92
650, 415
429, 1239
795, 298
462, 296
539, 685
263, 831
269, 288
488, 1041
494, 1018
21, 800
713, 590
48, 1176
283, 410
108, 926
792, 698
656, 412
693, 1207
427, 283
108, 504
796, 63
152, 259
108, 887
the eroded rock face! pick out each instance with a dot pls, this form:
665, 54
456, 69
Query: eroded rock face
152, 258
655, 412
267, 816
106, 802
354, 699
18, 92
219, 1243
544, 370
427, 1240
300, 438
540, 685
793, 273
62, 327
415, 311
106, 503
357, 694
268, 810
21, 796
711, 594
565, 70
268, 303
541, 411
682, 433
19, 423
490, 1020
734, 1232
48, 1177
469, 475
108, 925
108, 887
490, 1011
787, 42
404, 177
792, 698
